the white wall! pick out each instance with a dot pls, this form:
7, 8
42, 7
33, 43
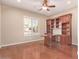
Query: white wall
74, 23
12, 24
0, 25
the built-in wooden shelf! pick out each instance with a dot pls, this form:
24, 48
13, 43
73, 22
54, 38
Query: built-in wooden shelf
63, 22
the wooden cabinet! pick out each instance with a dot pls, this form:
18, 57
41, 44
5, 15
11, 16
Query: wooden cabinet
66, 37
50, 25
57, 22
63, 22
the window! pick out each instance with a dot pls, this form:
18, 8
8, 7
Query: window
30, 25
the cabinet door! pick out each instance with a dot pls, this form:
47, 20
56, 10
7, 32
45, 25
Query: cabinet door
69, 41
66, 40
62, 40
65, 18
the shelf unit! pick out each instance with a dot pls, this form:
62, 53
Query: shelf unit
50, 25
63, 22
57, 22
66, 28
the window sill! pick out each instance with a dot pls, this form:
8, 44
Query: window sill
32, 34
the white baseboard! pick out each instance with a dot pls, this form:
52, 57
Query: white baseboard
20, 43
24, 42
74, 44
0, 46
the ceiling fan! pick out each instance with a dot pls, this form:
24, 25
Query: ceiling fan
46, 6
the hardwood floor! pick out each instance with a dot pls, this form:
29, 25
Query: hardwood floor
37, 50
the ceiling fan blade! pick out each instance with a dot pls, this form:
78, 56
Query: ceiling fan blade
52, 6
48, 10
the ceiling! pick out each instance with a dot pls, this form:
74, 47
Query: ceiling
35, 5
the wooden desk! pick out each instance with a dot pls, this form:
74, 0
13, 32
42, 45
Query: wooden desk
49, 39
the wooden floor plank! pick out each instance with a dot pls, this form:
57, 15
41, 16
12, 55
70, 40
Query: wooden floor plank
37, 50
